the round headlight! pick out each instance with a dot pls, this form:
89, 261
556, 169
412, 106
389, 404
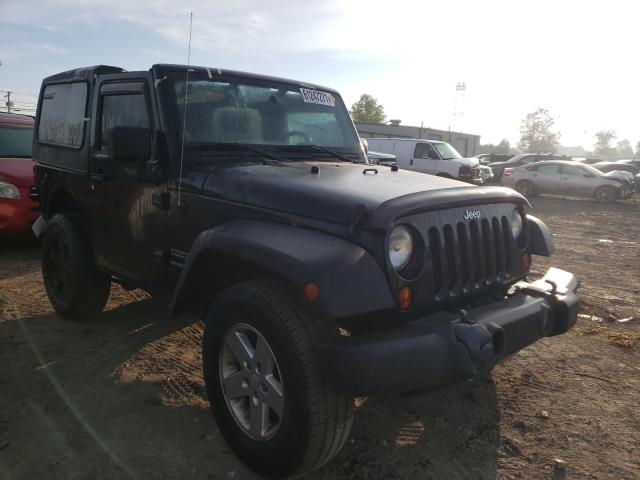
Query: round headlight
516, 223
400, 247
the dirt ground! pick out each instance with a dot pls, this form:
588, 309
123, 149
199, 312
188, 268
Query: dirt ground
122, 396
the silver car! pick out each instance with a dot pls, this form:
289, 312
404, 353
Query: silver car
568, 178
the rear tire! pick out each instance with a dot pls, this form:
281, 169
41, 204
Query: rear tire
304, 427
606, 194
75, 287
526, 188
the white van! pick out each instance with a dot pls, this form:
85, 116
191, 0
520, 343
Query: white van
429, 156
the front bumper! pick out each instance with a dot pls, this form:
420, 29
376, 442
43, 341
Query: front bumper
449, 347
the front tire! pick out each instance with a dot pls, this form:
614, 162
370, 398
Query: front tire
75, 287
606, 194
263, 380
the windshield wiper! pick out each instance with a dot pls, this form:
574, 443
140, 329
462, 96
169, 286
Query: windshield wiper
313, 146
240, 146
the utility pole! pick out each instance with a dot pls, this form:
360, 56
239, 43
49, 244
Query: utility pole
8, 103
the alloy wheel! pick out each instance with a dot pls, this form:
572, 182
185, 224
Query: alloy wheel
251, 382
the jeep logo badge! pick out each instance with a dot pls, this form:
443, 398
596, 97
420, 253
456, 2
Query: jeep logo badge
472, 215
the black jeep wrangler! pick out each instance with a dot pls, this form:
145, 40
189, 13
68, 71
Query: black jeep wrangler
249, 200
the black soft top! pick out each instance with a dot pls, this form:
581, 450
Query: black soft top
84, 73
161, 70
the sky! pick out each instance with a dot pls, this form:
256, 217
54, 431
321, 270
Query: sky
578, 59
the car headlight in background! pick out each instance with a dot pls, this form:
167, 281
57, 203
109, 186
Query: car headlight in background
400, 247
516, 223
8, 190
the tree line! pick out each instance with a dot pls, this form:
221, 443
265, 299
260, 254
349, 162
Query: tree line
537, 133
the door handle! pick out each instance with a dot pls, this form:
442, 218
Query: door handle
564, 178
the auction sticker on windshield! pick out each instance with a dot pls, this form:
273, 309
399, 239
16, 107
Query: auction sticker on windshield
315, 96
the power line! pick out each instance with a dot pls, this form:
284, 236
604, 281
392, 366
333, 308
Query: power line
19, 93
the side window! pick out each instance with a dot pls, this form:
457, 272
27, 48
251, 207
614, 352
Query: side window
548, 169
62, 114
122, 110
424, 150
571, 170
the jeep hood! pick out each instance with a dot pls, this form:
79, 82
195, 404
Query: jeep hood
336, 191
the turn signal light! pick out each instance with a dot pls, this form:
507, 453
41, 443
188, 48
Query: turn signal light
526, 261
311, 291
405, 297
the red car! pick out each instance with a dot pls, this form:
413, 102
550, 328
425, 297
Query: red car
19, 205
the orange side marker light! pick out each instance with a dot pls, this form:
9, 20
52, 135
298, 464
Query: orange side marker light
405, 297
311, 291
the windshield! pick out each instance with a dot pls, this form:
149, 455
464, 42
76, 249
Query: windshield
250, 111
15, 140
446, 151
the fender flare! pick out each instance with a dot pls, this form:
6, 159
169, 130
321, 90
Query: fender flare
540, 239
349, 279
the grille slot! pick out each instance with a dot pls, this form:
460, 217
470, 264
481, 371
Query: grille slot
469, 255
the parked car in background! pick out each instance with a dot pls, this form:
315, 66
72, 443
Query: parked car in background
568, 178
379, 158
607, 167
429, 156
523, 159
486, 174
19, 204
487, 158
587, 160
632, 161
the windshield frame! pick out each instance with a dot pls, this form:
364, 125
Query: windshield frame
345, 123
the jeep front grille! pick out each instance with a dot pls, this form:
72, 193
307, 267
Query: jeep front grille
469, 255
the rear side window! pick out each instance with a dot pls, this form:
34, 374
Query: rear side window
550, 169
62, 114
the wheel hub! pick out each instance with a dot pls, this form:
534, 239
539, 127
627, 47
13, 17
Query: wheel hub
251, 382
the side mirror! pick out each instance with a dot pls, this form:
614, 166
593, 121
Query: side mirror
365, 145
128, 143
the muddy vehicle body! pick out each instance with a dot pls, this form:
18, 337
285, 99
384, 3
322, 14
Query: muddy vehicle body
249, 200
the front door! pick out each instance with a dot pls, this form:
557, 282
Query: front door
425, 159
129, 220
572, 180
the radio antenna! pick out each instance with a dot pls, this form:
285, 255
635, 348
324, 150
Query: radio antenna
184, 111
